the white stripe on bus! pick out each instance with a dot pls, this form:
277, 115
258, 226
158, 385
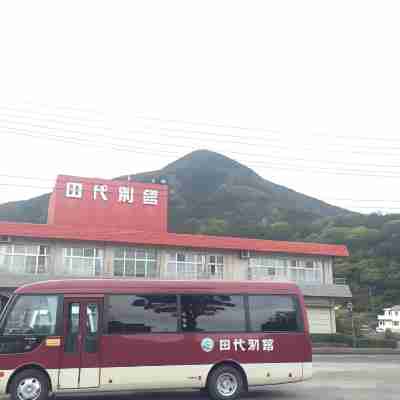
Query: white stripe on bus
165, 377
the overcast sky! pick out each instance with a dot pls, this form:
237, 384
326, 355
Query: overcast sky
307, 93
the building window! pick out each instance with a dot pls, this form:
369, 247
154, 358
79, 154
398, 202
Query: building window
305, 271
268, 268
24, 259
138, 263
186, 265
396, 323
83, 261
214, 267
279, 268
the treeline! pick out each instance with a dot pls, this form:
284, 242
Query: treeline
372, 270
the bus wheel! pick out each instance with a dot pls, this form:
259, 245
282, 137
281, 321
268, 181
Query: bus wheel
225, 383
30, 384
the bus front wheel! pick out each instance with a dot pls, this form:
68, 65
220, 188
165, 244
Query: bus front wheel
30, 384
225, 383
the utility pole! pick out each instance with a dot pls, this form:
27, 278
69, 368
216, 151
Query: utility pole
353, 331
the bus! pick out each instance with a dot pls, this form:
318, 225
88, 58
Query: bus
108, 335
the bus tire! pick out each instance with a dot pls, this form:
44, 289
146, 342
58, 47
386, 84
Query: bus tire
225, 383
30, 384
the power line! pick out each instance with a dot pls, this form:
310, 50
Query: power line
223, 138
41, 126
36, 178
71, 108
365, 200
56, 188
56, 120
186, 147
238, 127
241, 137
27, 178
25, 186
147, 151
24, 110
118, 185
199, 123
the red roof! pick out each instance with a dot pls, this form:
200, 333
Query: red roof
46, 231
99, 286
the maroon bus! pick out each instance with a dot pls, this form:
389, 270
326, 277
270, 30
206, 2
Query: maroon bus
116, 335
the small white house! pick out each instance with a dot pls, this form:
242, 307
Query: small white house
389, 320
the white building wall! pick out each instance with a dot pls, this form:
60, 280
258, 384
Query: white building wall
389, 320
328, 271
333, 318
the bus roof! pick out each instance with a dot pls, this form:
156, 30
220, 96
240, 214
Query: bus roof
110, 286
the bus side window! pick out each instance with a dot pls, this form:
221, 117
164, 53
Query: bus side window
274, 313
71, 341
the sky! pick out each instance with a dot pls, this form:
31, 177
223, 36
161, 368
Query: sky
306, 93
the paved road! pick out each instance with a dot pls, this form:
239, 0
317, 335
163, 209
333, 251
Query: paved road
336, 377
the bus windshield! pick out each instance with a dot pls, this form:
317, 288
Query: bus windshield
32, 315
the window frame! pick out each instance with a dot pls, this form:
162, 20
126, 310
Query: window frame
201, 264
147, 259
12, 268
68, 258
291, 269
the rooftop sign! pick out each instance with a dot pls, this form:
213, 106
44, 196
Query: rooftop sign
106, 203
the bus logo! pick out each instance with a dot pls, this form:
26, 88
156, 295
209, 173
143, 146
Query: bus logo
207, 345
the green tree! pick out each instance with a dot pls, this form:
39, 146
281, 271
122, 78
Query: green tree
362, 236
335, 235
214, 226
280, 231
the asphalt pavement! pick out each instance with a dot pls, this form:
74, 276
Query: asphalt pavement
336, 377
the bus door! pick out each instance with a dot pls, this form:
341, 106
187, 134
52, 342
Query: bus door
80, 359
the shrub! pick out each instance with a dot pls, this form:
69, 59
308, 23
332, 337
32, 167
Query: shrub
340, 339
377, 343
337, 338
389, 334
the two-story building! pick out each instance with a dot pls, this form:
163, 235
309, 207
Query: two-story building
389, 320
118, 229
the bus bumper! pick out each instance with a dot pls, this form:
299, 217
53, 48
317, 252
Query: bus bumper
4, 377
307, 371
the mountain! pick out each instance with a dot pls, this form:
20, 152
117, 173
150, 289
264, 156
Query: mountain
32, 210
209, 188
